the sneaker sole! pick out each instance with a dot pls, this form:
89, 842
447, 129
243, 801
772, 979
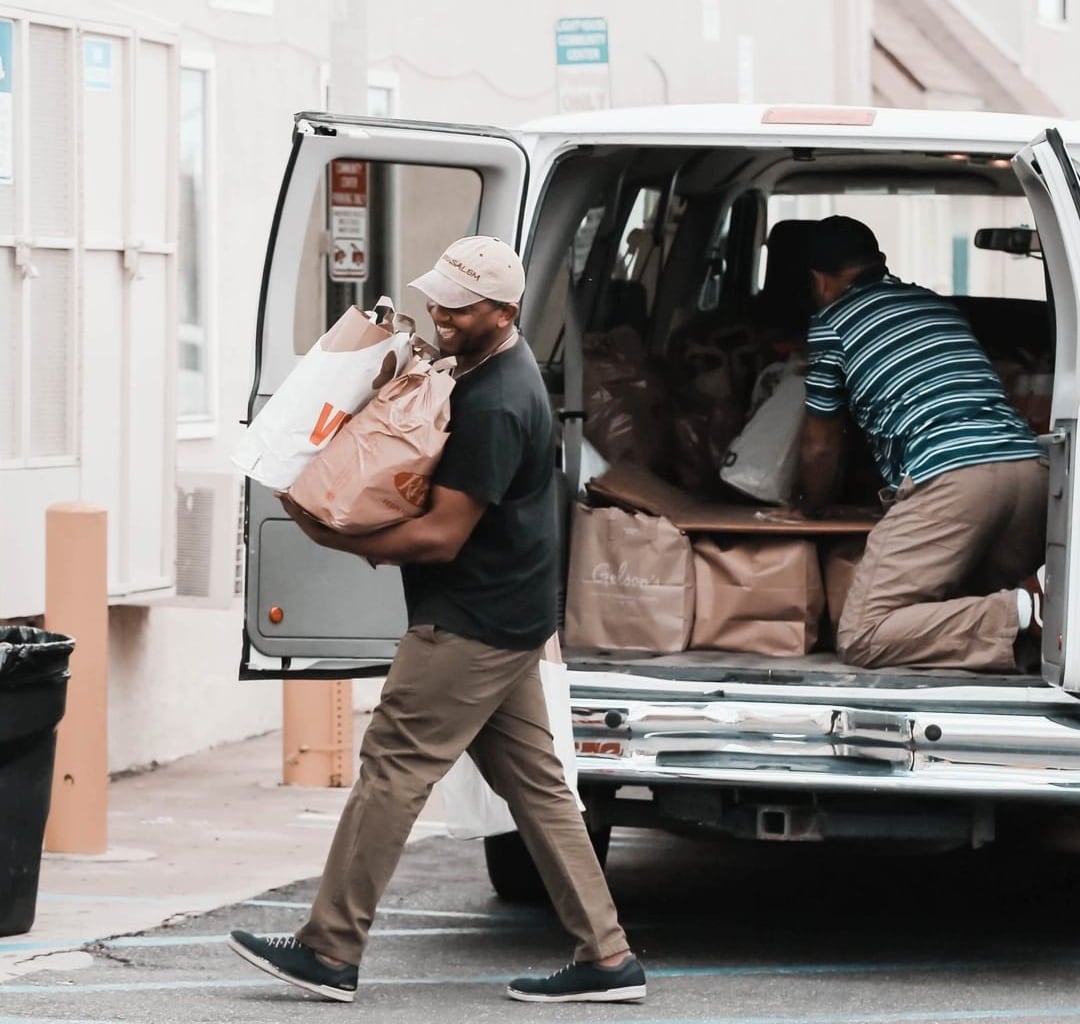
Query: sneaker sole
338, 994
611, 995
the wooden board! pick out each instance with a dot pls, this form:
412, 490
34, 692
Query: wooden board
635, 488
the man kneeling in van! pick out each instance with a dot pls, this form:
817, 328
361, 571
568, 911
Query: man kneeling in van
969, 514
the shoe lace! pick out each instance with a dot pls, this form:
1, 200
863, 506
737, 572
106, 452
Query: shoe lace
283, 942
563, 970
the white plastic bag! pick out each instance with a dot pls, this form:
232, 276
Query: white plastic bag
593, 464
763, 461
472, 808
336, 378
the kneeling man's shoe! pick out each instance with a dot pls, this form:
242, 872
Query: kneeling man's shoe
585, 983
290, 960
1035, 585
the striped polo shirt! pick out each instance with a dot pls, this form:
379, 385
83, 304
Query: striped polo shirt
906, 364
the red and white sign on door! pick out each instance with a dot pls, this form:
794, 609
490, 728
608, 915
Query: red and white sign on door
348, 220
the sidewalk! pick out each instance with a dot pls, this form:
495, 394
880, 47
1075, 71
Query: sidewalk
202, 832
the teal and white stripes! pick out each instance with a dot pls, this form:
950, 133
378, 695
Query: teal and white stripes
905, 362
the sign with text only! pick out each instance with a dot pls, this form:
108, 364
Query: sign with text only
581, 59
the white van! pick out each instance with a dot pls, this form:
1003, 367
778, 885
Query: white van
658, 218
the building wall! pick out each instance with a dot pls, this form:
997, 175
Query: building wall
498, 65
174, 686
173, 664
173, 667
1043, 44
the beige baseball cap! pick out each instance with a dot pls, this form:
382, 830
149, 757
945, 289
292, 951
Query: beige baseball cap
471, 269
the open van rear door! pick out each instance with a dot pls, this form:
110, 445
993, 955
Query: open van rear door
1049, 178
308, 610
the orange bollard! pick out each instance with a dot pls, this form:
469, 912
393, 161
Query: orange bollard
317, 732
77, 603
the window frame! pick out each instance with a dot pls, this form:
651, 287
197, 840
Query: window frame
24, 242
200, 426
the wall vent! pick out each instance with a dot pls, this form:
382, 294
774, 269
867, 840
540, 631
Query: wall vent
208, 541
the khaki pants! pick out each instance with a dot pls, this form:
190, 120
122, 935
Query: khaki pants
446, 694
969, 532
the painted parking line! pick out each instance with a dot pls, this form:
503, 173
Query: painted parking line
163, 941
654, 974
55, 1020
465, 915
905, 1017
908, 1017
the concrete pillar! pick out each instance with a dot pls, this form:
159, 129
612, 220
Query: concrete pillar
76, 603
317, 729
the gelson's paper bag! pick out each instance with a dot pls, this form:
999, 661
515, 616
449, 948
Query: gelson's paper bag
758, 596
839, 561
338, 376
377, 470
631, 583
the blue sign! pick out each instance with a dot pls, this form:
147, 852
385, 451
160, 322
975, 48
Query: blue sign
6, 31
581, 41
7, 102
98, 64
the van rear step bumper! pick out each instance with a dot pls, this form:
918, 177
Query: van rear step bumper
1018, 742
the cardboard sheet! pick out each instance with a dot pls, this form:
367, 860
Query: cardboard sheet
635, 488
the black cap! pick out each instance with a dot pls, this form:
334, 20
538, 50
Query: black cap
839, 243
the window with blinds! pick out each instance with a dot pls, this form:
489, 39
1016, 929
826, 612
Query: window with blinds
38, 246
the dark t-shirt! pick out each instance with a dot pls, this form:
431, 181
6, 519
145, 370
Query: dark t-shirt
501, 588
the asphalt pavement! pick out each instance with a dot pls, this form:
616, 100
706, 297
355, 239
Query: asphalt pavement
729, 935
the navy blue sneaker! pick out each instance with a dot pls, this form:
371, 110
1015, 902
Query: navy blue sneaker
292, 961
583, 983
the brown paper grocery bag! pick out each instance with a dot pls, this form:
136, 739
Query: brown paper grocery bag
758, 596
631, 582
839, 560
377, 470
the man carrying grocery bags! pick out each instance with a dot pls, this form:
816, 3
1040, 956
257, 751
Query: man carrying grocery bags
479, 571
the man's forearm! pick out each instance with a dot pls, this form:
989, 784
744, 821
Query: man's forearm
411, 541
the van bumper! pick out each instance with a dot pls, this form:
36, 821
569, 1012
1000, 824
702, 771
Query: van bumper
1015, 741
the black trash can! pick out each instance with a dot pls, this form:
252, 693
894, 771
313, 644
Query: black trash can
33, 688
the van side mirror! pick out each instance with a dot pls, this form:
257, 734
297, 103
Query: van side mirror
1018, 241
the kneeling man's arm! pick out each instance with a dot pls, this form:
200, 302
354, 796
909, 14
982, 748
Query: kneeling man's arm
820, 447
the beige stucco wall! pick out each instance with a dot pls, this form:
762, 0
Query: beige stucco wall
1048, 54
498, 64
173, 687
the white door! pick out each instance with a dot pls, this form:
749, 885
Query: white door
1049, 177
309, 610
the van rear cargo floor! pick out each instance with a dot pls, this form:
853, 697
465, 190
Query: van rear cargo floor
819, 669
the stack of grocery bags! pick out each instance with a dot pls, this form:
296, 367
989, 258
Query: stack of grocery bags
355, 431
